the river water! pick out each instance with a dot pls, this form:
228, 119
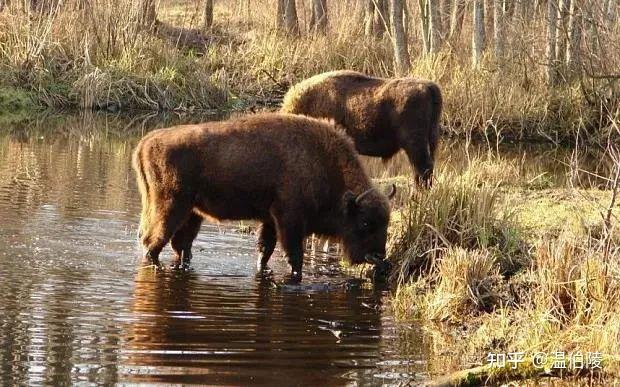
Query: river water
76, 306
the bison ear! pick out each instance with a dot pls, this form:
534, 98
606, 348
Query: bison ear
392, 191
348, 203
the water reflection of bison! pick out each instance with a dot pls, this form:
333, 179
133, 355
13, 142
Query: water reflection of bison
296, 175
381, 115
239, 331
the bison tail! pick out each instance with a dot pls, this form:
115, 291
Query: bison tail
437, 105
143, 187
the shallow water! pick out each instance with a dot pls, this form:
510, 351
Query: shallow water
76, 306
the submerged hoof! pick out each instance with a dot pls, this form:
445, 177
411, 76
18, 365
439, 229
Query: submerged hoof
182, 261
295, 278
179, 265
381, 270
264, 272
147, 261
292, 281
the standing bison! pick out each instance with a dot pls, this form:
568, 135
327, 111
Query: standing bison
381, 115
297, 175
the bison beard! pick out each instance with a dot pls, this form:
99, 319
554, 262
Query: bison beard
296, 175
381, 115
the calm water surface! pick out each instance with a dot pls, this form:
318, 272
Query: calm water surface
76, 306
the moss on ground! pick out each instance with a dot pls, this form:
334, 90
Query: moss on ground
16, 106
550, 211
13, 100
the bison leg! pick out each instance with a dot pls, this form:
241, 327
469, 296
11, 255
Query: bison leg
182, 240
266, 244
422, 161
292, 241
161, 226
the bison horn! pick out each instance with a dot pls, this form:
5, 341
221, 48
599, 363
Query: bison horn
392, 191
359, 197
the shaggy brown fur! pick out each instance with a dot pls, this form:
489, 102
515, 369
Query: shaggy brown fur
381, 115
297, 175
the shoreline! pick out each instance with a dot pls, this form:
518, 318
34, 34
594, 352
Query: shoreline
24, 108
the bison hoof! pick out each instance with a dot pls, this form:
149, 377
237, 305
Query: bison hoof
382, 270
264, 271
149, 260
181, 262
262, 266
295, 276
293, 281
176, 265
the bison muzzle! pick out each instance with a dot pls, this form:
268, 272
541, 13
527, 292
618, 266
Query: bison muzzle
296, 175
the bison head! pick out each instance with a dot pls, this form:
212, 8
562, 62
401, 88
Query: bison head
366, 218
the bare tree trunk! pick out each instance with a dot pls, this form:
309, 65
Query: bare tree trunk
286, 17
592, 37
148, 14
318, 19
444, 12
574, 39
377, 17
401, 52
434, 24
382, 20
527, 10
498, 27
488, 17
280, 15
456, 19
478, 32
425, 25
552, 12
290, 17
406, 18
562, 31
208, 15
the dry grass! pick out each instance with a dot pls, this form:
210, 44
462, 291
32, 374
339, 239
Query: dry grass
460, 210
464, 282
98, 57
568, 301
552, 285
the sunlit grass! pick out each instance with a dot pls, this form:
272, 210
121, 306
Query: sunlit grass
510, 266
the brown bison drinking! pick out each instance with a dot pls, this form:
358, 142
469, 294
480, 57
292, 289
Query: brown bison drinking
297, 175
381, 115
